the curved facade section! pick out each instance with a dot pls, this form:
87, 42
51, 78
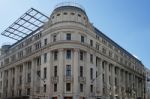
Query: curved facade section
69, 59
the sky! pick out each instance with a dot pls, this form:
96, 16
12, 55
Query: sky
127, 22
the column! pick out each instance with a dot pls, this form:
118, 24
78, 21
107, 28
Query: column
119, 83
113, 81
9, 83
16, 81
75, 74
33, 78
61, 73
99, 83
107, 79
49, 73
24, 78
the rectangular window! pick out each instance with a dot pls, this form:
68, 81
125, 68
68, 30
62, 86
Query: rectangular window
68, 36
20, 80
91, 88
91, 73
82, 39
97, 46
104, 50
37, 45
55, 71
54, 38
45, 73
68, 70
91, 42
29, 65
39, 73
68, 86
20, 91
103, 78
55, 55
38, 61
81, 87
45, 41
81, 71
68, 54
45, 57
28, 91
81, 55
91, 58
55, 87
44, 90
29, 78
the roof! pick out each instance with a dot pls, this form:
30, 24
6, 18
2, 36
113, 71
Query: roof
97, 31
25, 25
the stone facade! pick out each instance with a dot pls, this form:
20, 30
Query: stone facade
70, 59
147, 83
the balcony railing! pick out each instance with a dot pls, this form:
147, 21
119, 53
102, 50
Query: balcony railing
55, 79
68, 78
82, 79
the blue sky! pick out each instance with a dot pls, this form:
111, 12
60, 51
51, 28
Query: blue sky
127, 22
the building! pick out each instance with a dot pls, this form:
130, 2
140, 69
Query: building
147, 83
67, 57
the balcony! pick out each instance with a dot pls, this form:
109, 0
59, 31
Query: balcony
55, 79
82, 79
68, 78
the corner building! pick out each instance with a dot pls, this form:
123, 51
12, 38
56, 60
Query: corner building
69, 59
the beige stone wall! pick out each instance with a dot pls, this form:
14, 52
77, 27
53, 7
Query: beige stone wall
114, 78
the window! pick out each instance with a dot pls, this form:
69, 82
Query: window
37, 45
82, 39
38, 61
44, 90
91, 58
81, 87
58, 14
81, 71
91, 88
20, 80
110, 53
103, 78
55, 87
12, 92
68, 54
55, 71
45, 72
110, 67
68, 70
55, 55
45, 57
91, 42
72, 13
79, 15
29, 77
39, 73
19, 92
104, 50
28, 50
97, 46
65, 13
116, 81
68, 36
54, 38
91, 73
45, 41
81, 55
29, 65
28, 91
68, 87
20, 54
